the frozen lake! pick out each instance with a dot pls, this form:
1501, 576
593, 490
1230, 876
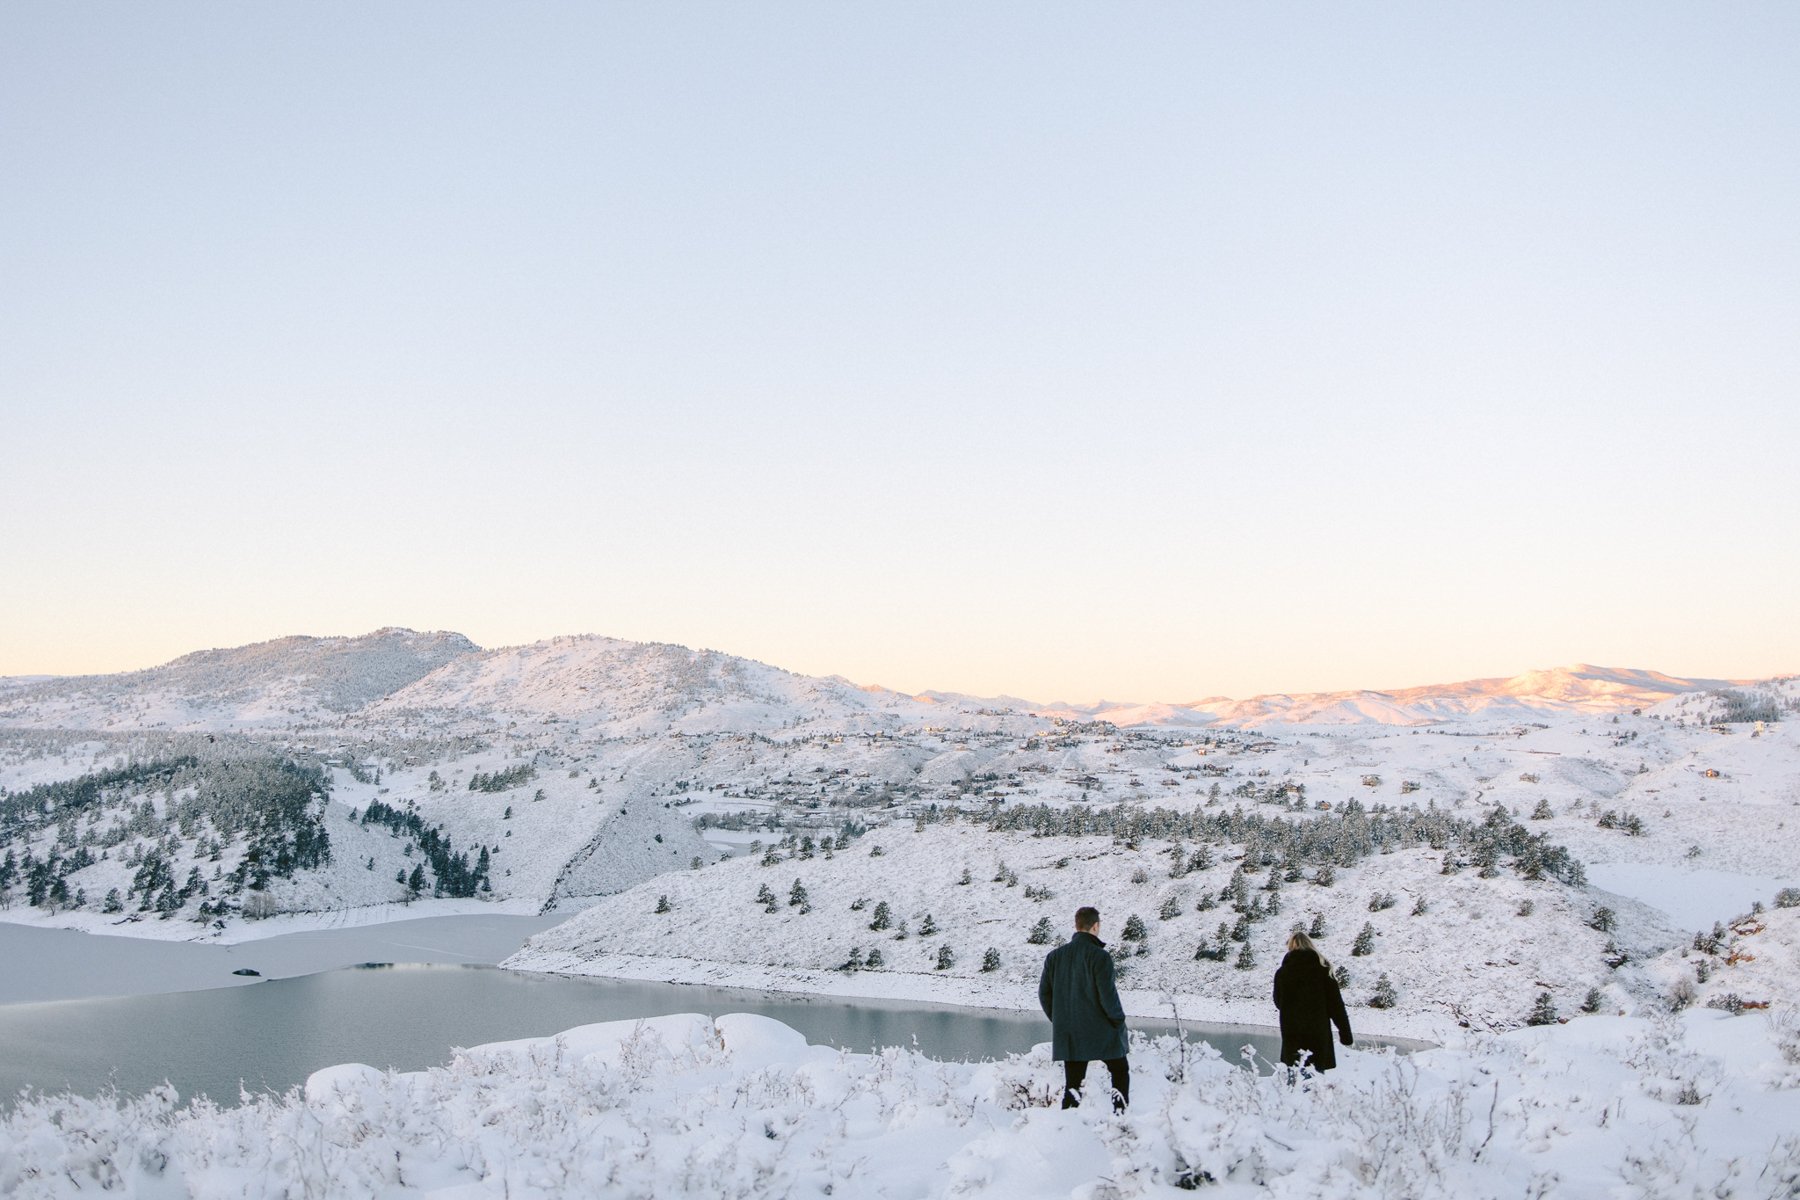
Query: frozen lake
66, 964
273, 1035
427, 986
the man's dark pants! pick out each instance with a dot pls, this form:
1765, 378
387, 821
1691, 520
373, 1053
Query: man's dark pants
1075, 1072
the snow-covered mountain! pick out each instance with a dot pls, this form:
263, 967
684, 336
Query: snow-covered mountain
619, 688
288, 681
1582, 688
626, 689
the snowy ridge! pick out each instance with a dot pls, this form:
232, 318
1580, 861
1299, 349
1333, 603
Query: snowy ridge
1582, 688
624, 689
276, 683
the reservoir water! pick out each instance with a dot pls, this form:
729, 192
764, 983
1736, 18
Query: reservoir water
270, 1036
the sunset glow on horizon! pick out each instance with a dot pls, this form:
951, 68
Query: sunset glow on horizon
1066, 353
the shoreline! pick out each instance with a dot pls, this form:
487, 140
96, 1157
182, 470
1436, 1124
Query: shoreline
1412, 1031
240, 931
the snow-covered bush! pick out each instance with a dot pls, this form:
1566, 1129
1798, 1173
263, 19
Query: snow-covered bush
740, 1108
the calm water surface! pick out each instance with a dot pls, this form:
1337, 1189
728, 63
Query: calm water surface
271, 1036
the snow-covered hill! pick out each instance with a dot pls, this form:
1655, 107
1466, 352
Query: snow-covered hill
1582, 688
1461, 949
285, 682
620, 689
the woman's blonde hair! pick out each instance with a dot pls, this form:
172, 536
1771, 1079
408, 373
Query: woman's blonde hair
1299, 941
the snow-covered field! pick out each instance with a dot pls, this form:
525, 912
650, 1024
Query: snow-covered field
1704, 1104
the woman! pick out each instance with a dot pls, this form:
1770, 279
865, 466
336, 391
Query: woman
1310, 1002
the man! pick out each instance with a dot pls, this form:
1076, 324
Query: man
1086, 1019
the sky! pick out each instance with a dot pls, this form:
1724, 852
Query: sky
1067, 351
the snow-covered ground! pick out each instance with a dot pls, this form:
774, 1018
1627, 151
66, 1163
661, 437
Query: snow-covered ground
741, 1107
1679, 796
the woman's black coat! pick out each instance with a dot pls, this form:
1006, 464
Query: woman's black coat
1310, 1001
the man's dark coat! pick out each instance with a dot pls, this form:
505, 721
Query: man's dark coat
1087, 1022
1310, 1002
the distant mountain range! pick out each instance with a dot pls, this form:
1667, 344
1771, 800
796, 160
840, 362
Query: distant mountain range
624, 689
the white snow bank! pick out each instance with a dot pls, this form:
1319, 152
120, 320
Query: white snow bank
742, 1107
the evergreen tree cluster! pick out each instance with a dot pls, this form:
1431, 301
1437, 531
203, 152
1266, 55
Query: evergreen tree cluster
1737, 706
39, 807
455, 875
275, 805
1340, 838
501, 781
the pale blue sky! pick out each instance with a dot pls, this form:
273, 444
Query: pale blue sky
1067, 350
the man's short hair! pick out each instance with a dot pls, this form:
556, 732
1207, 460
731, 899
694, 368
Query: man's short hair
1086, 917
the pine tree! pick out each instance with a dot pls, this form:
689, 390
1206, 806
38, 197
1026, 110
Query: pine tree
765, 896
797, 895
1171, 908
873, 962
990, 960
1041, 933
662, 903
1246, 958
1543, 1012
1603, 919
967, 878
855, 962
946, 958
928, 926
1317, 928
883, 918
1134, 928
1591, 1003
1365, 941
1385, 996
